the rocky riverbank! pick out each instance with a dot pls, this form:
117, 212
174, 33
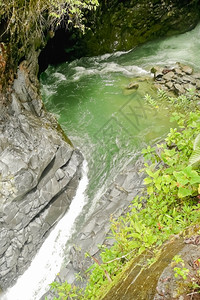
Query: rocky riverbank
178, 79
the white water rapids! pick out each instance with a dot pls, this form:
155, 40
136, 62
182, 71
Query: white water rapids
46, 264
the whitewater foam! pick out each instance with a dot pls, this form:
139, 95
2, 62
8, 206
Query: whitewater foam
46, 264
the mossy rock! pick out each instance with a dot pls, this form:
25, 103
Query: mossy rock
121, 26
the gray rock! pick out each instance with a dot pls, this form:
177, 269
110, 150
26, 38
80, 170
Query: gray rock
132, 86
179, 89
196, 75
168, 286
187, 70
179, 79
169, 84
39, 176
197, 84
168, 76
178, 71
189, 86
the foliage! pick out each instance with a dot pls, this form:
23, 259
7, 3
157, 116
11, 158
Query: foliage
27, 19
190, 279
66, 291
195, 156
182, 103
180, 271
169, 205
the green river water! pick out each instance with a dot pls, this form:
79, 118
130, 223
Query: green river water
105, 120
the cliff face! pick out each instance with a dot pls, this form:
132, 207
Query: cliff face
39, 170
122, 25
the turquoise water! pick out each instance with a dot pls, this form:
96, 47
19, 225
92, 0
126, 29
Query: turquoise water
105, 120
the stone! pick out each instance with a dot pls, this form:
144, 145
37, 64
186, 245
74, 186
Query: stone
178, 71
39, 176
168, 76
188, 79
120, 26
196, 75
132, 86
198, 84
187, 70
169, 84
97, 227
177, 81
189, 86
171, 287
158, 75
179, 89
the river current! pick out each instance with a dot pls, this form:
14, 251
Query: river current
109, 123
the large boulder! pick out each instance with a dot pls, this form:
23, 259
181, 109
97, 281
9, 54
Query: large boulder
122, 25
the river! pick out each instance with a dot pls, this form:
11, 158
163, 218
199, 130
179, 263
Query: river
109, 123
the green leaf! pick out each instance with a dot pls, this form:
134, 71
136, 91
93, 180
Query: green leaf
137, 227
188, 171
147, 180
158, 186
135, 235
195, 157
180, 177
156, 174
196, 144
183, 192
149, 172
195, 178
150, 190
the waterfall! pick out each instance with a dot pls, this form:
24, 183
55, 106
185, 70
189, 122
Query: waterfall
46, 264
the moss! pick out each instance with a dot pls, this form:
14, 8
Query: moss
65, 137
121, 26
139, 279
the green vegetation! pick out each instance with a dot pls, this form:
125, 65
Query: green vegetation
190, 279
27, 21
168, 205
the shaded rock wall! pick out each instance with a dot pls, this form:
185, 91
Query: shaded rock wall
39, 173
122, 25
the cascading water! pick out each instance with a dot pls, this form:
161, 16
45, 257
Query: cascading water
33, 283
108, 122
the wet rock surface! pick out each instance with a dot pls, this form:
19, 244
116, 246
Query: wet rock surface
38, 179
178, 79
122, 25
169, 287
127, 184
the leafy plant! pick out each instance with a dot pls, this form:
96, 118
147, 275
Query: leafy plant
189, 280
169, 204
27, 21
195, 156
66, 291
180, 271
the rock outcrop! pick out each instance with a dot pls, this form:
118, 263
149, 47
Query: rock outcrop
179, 79
39, 173
122, 25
